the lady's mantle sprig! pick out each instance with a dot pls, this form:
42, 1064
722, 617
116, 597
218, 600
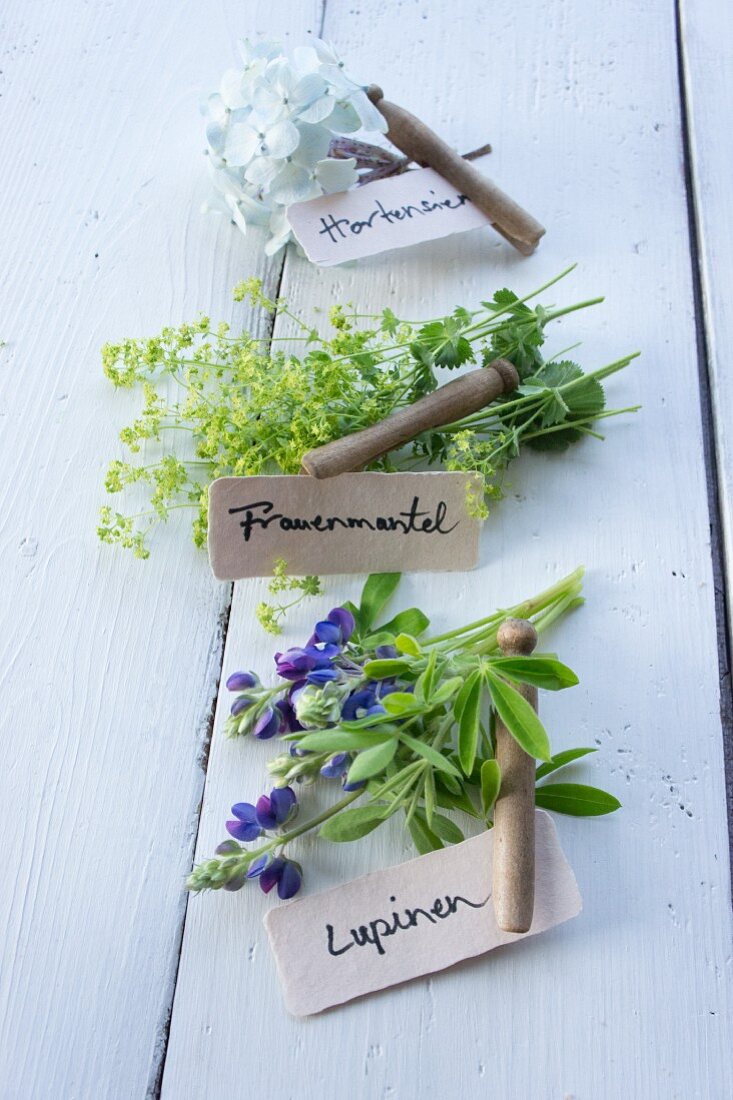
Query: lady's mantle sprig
404, 725
273, 133
217, 404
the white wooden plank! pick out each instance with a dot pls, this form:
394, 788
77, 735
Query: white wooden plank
707, 54
109, 665
633, 998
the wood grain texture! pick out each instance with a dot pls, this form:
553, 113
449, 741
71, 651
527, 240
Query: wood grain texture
633, 998
109, 665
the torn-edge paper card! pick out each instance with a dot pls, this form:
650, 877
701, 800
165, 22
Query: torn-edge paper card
413, 919
353, 523
391, 213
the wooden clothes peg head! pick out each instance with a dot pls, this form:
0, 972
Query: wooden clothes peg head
421, 144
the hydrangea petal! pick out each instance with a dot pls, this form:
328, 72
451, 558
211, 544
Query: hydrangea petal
337, 175
293, 184
370, 117
282, 139
343, 119
314, 144
241, 145
231, 89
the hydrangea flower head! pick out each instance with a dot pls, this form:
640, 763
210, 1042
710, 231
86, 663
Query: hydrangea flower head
270, 130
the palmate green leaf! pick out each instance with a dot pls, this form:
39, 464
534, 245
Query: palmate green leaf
542, 672
576, 799
354, 824
442, 343
447, 830
423, 837
372, 761
468, 726
433, 757
490, 785
411, 621
377, 590
519, 717
560, 759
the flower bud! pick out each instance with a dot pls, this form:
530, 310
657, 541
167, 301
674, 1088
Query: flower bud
316, 707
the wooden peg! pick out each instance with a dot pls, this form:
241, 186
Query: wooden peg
456, 399
513, 870
421, 144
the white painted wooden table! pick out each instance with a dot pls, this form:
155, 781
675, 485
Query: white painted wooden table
609, 121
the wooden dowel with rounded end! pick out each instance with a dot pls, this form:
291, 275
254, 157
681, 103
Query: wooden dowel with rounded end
513, 870
459, 398
421, 144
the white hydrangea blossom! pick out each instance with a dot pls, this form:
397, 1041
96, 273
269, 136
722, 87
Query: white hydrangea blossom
270, 129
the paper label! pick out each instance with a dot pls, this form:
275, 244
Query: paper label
355, 523
409, 920
391, 213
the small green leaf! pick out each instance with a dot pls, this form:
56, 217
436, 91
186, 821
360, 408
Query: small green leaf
446, 690
375, 594
560, 759
353, 824
542, 672
576, 799
412, 621
429, 796
424, 683
519, 717
450, 801
400, 702
386, 668
447, 829
490, 784
464, 693
424, 839
372, 761
430, 754
468, 727
405, 643
340, 740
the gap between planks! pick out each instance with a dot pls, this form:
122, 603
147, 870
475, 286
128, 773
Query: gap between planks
709, 434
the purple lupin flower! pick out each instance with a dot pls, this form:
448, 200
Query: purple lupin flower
283, 873
242, 681
344, 620
246, 826
294, 663
242, 702
358, 703
385, 652
268, 724
322, 675
337, 766
277, 808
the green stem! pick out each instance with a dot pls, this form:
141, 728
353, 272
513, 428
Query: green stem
318, 820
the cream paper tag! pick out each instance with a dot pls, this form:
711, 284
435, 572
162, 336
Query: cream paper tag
413, 919
354, 523
391, 213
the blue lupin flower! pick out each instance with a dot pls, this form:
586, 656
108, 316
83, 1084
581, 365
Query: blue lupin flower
275, 810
